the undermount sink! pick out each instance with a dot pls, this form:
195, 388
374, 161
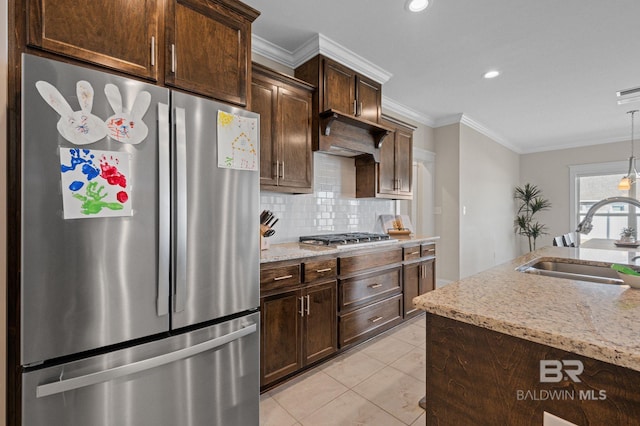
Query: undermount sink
559, 268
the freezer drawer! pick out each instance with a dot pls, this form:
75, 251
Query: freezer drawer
205, 377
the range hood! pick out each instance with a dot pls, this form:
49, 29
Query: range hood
349, 136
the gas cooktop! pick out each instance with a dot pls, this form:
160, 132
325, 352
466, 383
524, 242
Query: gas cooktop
344, 239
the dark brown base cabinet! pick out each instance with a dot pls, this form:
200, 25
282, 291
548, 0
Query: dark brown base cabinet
318, 307
419, 275
298, 318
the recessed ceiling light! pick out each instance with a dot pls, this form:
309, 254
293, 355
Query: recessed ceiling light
417, 5
491, 74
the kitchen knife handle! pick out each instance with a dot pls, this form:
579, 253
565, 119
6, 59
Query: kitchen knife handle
164, 210
139, 366
180, 277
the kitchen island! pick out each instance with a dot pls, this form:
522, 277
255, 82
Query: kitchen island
505, 346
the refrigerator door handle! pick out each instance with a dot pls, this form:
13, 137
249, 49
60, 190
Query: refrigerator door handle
136, 367
180, 291
164, 210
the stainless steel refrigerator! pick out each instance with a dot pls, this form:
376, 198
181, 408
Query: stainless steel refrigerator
139, 253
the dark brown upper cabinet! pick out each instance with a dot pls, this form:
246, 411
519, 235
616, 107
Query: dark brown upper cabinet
209, 48
391, 177
119, 34
201, 46
285, 106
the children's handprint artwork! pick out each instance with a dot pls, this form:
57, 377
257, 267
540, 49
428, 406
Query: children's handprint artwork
95, 183
237, 142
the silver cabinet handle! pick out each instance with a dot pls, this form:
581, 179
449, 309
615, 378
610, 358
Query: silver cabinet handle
415, 252
301, 311
153, 51
282, 170
360, 112
376, 319
181, 211
164, 206
136, 367
173, 58
320, 271
355, 107
308, 303
284, 277
375, 285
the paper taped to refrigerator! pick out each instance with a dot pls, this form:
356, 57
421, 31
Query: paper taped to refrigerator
237, 142
95, 183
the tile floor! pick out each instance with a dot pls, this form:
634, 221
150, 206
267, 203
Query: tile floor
377, 383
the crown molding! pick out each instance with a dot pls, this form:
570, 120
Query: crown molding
319, 44
471, 123
403, 110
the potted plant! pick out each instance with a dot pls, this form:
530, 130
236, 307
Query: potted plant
628, 235
530, 202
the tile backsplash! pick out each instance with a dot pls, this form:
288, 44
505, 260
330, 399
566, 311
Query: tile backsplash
331, 208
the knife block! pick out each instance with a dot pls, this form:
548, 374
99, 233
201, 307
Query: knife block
264, 242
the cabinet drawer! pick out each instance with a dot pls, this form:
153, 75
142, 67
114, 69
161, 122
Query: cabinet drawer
279, 277
364, 261
412, 252
369, 320
318, 269
366, 288
429, 249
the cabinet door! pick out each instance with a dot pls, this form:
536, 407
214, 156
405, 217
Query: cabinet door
280, 344
321, 329
387, 183
208, 50
428, 281
339, 88
294, 133
404, 160
369, 95
412, 277
119, 34
264, 98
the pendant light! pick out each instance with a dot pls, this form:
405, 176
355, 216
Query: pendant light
632, 175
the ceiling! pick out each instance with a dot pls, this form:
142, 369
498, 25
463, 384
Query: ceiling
562, 61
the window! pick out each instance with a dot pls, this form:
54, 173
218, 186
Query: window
591, 183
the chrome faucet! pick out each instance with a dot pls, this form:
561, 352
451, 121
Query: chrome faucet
585, 226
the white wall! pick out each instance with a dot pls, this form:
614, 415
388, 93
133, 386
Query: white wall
447, 201
550, 172
488, 174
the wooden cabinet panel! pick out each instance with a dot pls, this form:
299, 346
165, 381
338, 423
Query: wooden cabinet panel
369, 320
276, 277
404, 161
339, 88
428, 249
369, 99
285, 108
264, 98
366, 288
280, 339
320, 269
295, 136
321, 331
116, 33
387, 166
362, 261
412, 252
208, 50
412, 276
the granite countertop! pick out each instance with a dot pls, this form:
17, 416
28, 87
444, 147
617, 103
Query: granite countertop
292, 251
600, 321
